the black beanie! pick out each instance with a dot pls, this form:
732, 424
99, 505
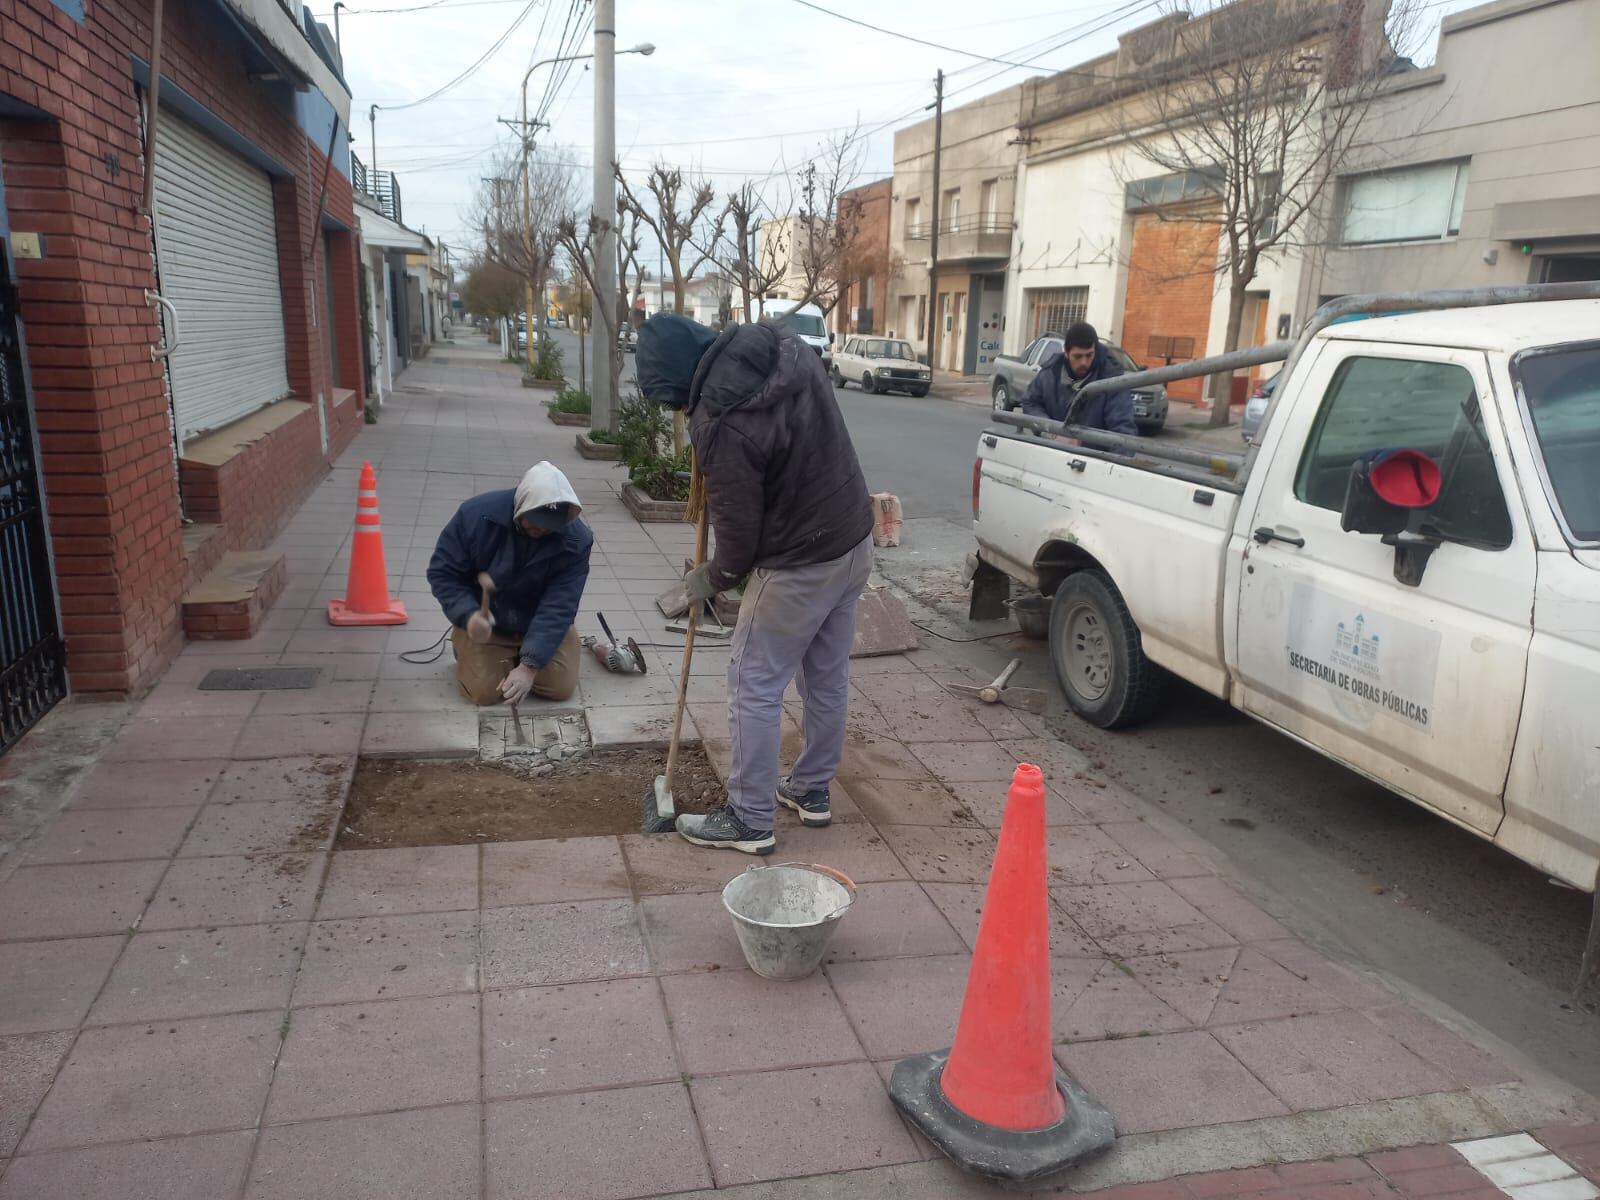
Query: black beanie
666, 356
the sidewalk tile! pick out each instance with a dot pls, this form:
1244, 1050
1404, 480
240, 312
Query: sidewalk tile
893, 920
449, 734
561, 943
326, 777
426, 1154
1438, 1045
902, 1006
267, 737
1059, 761
665, 864
148, 784
28, 1064
941, 854
373, 883
50, 985
803, 1122
925, 713
151, 1081
737, 1021
962, 905
304, 826
165, 739
76, 900
245, 889
1188, 982
111, 835
1096, 800
1131, 919
575, 1036
346, 696
1344, 985
170, 698
690, 932
987, 804
880, 758
372, 1057
1082, 855
909, 802
1222, 904
1258, 989
1171, 1081
1164, 858
607, 1145
1091, 1001
384, 958
418, 695
190, 1168
198, 972
1330, 1060
634, 726
578, 868
967, 762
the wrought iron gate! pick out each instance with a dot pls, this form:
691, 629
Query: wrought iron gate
32, 657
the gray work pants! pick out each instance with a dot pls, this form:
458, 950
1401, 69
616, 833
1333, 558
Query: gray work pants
795, 623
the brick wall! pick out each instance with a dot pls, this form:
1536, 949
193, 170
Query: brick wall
76, 177
869, 208
1171, 283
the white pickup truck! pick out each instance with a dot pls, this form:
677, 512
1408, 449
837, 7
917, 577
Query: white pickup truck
1431, 620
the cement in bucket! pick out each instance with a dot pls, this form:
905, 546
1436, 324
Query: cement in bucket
786, 914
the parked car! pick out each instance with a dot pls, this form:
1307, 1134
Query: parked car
627, 338
880, 365
1013, 374
1255, 408
1402, 576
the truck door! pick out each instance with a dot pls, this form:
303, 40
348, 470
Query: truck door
1419, 687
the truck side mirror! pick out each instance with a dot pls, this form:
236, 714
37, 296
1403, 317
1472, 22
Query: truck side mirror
1386, 494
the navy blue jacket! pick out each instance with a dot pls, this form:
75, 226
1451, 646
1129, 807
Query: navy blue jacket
537, 581
1047, 397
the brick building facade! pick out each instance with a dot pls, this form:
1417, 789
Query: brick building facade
117, 483
863, 303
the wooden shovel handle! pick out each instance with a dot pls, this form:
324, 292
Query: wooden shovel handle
701, 538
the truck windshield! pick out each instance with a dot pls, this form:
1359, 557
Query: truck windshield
1561, 389
879, 349
804, 324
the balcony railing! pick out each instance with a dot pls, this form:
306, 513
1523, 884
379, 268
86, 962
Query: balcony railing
995, 222
983, 235
382, 186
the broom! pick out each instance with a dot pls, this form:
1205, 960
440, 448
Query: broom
660, 811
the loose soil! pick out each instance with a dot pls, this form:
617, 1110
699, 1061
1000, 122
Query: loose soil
400, 802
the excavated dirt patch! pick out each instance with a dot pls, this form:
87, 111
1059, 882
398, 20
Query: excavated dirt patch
404, 802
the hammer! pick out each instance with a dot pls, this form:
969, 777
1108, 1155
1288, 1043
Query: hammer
1028, 699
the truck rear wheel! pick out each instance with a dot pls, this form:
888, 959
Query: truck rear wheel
1099, 661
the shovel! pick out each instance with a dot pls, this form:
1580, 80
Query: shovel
660, 810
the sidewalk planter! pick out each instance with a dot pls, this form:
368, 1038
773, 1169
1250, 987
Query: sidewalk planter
648, 511
591, 449
580, 420
542, 385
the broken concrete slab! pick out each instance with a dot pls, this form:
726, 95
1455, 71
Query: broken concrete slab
552, 736
883, 626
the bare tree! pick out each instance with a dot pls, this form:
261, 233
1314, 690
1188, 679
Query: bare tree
826, 222
627, 256
520, 224
1254, 112
581, 242
680, 213
756, 268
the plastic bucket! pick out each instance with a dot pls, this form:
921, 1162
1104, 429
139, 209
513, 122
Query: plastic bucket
785, 915
1033, 616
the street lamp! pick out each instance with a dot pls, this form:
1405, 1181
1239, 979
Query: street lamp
644, 48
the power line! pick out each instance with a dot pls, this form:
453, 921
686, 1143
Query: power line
363, 12
904, 37
473, 69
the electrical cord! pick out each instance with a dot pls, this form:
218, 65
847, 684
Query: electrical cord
987, 637
437, 648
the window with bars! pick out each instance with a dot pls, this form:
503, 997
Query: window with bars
1051, 310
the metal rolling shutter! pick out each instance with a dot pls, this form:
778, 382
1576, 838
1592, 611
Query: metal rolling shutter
217, 252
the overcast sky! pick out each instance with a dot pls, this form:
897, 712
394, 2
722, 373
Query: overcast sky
736, 88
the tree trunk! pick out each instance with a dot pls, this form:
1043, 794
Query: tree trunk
1222, 385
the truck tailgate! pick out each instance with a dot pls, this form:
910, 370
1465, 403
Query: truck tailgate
1162, 540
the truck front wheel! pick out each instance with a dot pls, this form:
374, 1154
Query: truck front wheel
1095, 647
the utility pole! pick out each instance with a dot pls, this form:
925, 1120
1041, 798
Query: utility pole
605, 205
337, 40
525, 130
372, 118
933, 255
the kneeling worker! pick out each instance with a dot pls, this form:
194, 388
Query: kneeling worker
531, 543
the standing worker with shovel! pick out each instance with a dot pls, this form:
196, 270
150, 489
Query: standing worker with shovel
513, 633
790, 509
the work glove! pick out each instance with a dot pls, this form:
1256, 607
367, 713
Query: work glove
697, 584
479, 628
514, 687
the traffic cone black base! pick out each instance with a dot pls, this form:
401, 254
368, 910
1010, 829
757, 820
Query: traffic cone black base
1015, 1156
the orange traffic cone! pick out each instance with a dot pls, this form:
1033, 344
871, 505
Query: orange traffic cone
366, 594
996, 1102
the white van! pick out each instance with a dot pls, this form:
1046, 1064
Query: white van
805, 321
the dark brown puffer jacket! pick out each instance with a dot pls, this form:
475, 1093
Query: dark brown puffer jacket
784, 485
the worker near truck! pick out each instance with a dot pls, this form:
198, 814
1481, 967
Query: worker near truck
516, 638
790, 509
1054, 392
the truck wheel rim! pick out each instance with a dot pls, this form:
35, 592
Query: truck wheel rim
1088, 653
